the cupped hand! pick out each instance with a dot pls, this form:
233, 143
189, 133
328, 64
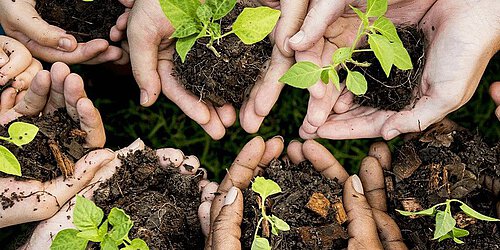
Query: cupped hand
49, 43
44, 233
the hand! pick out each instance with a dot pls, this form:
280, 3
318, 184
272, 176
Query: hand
44, 233
50, 43
495, 95
451, 33
49, 91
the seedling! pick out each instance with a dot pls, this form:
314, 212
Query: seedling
20, 133
383, 40
87, 218
445, 223
193, 20
266, 188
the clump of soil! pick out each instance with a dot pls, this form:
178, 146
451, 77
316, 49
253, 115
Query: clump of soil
225, 79
84, 20
162, 203
446, 162
395, 92
308, 203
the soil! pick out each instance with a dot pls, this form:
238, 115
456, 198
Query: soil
37, 158
225, 79
162, 203
397, 91
84, 20
313, 224
446, 162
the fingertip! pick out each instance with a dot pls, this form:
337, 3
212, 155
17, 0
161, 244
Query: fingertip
204, 217
294, 152
318, 90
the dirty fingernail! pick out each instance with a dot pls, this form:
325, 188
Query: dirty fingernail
279, 137
231, 196
297, 37
391, 134
64, 43
357, 185
144, 97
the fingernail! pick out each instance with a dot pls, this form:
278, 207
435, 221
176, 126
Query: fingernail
391, 134
144, 97
280, 137
292, 141
297, 37
285, 45
231, 196
64, 43
357, 185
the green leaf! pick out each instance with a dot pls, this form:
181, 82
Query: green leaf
324, 76
136, 244
9, 163
22, 133
265, 187
260, 243
184, 45
402, 59
383, 51
86, 215
302, 75
387, 29
66, 239
458, 241
376, 8
180, 11
92, 235
186, 29
214, 28
459, 232
444, 222
341, 55
356, 83
204, 13
121, 224
334, 76
473, 213
103, 229
446, 236
254, 24
220, 8
361, 15
280, 224
108, 244
429, 211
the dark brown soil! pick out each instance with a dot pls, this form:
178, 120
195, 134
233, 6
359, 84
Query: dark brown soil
162, 203
309, 230
225, 79
447, 163
84, 20
396, 92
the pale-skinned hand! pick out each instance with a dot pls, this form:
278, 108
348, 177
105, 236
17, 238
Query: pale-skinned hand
495, 95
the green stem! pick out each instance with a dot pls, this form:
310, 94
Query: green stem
5, 138
362, 50
360, 33
257, 228
224, 35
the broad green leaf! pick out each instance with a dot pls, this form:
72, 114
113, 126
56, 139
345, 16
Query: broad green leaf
136, 244
184, 45
356, 83
66, 239
204, 13
180, 11
254, 24
324, 76
444, 223
459, 232
22, 133
383, 51
361, 15
376, 8
265, 187
86, 215
402, 59
387, 29
121, 224
186, 29
9, 163
108, 244
220, 8
302, 75
103, 229
334, 76
341, 55
215, 29
280, 224
92, 235
260, 243
473, 213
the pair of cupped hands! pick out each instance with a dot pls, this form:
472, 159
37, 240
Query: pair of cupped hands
461, 38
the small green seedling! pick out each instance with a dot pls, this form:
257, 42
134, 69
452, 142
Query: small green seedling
383, 40
193, 20
445, 223
20, 133
87, 218
266, 188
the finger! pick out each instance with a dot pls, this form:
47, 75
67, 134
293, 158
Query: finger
7, 99
388, 231
125, 58
227, 115
117, 32
372, 177
23, 80
314, 55
294, 152
20, 96
111, 54
361, 225
323, 161
204, 217
58, 73
318, 109
190, 165
4, 58
127, 3
249, 119
305, 135
37, 95
170, 157
19, 59
91, 123
214, 127
345, 102
73, 93
274, 148
208, 193
227, 226
381, 151
495, 92
292, 16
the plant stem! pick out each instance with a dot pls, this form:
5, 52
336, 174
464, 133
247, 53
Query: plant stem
224, 35
362, 50
360, 32
5, 138
257, 228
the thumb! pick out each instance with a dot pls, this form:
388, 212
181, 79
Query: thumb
292, 16
226, 228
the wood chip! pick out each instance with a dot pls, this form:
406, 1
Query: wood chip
435, 178
322, 237
411, 205
407, 162
319, 204
340, 214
